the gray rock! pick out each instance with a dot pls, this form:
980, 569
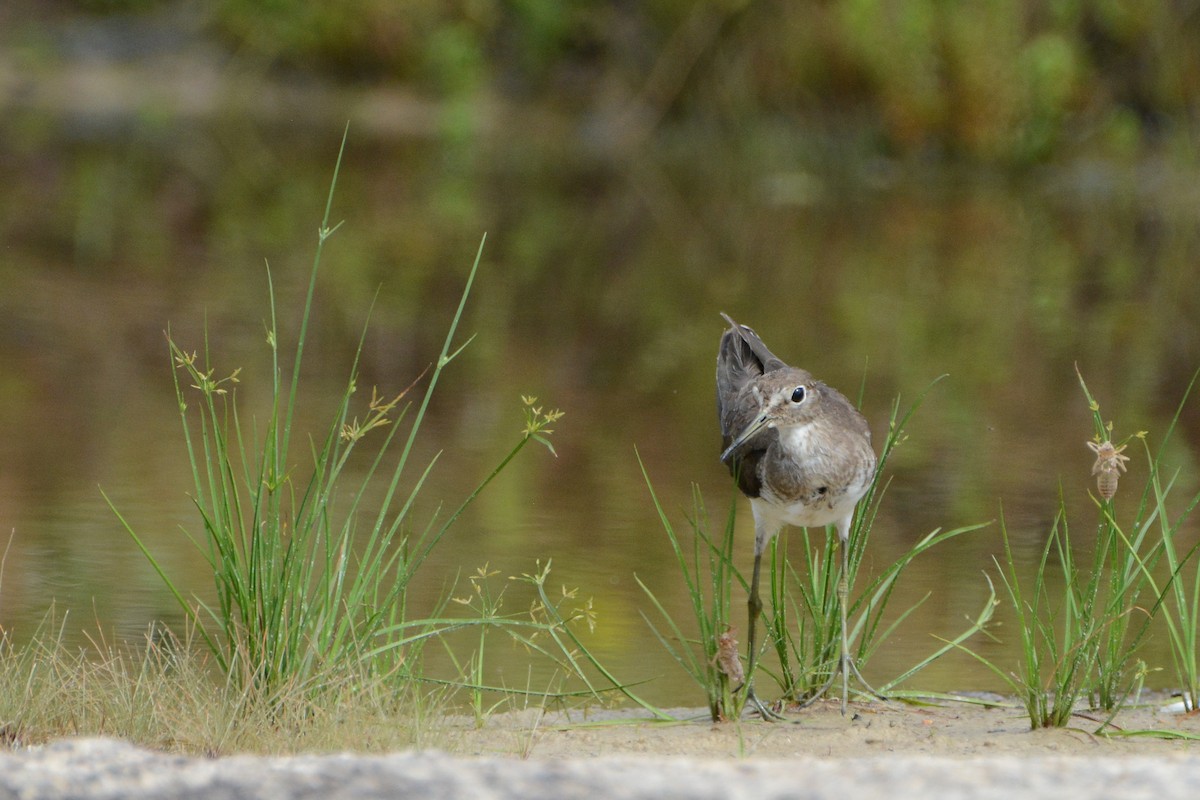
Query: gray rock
102, 768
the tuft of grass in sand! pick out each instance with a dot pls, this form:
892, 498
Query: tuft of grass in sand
1079, 644
310, 573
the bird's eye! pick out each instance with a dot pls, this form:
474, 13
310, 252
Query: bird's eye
798, 394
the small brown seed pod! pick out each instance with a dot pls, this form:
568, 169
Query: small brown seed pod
727, 658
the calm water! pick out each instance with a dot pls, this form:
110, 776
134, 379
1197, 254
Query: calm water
599, 293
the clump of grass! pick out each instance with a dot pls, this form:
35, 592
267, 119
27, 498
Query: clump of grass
711, 658
1059, 642
1177, 597
1121, 569
308, 591
1083, 644
1179, 601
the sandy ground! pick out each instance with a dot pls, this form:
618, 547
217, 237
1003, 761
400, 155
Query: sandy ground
949, 729
880, 751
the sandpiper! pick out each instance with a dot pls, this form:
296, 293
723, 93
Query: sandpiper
802, 454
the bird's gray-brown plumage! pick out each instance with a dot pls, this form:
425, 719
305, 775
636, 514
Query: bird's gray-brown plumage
797, 448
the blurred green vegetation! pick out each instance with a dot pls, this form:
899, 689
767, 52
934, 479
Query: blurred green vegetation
1011, 82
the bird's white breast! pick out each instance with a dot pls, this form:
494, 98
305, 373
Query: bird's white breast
796, 438
805, 444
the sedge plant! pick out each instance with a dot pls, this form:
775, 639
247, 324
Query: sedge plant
710, 658
1059, 638
1122, 568
1179, 603
1079, 642
307, 590
1177, 590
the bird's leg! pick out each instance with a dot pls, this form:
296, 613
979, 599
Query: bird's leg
843, 591
846, 663
754, 605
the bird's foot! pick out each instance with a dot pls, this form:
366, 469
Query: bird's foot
846, 666
866, 687
766, 712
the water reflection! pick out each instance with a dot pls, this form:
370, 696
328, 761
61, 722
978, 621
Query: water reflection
599, 294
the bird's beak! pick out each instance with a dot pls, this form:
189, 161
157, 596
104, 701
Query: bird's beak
754, 427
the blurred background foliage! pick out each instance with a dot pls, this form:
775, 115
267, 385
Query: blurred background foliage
1006, 82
